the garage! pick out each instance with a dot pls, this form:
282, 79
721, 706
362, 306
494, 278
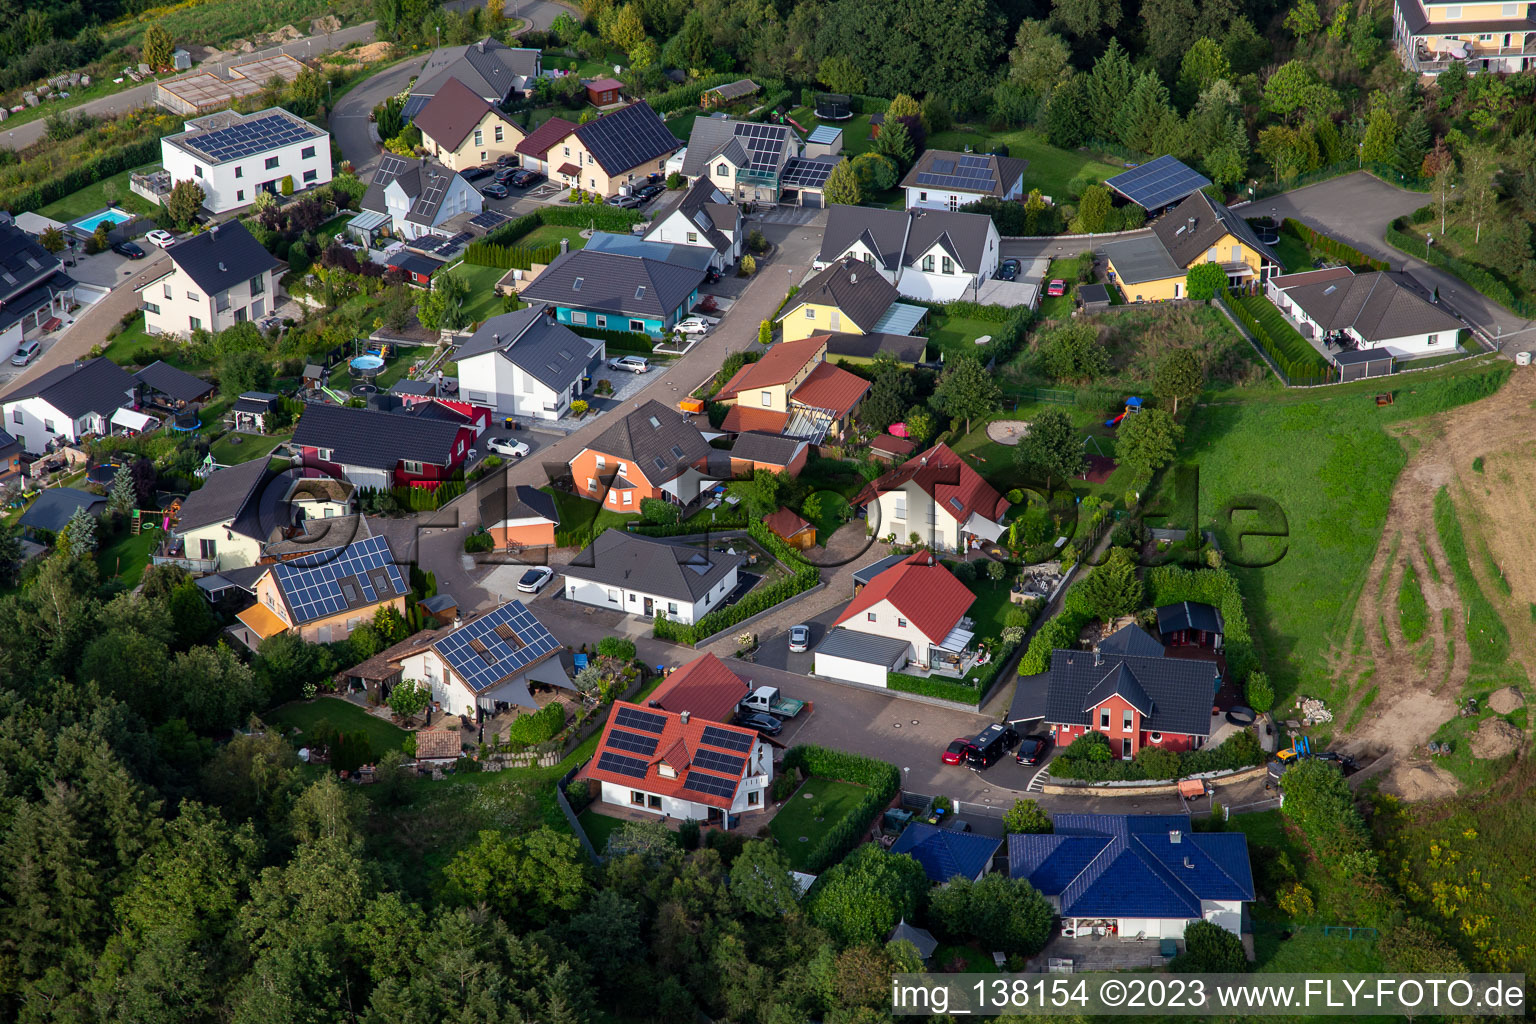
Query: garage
811, 199
859, 657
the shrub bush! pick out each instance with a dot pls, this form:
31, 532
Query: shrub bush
803, 576
616, 647
945, 689
1090, 759
1332, 247
478, 542
539, 727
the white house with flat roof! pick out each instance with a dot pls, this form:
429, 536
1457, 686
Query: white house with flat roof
234, 156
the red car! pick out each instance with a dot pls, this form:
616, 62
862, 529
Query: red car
1056, 287
955, 752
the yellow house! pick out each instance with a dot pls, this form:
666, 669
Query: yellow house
1152, 268
849, 297
1432, 34
462, 130
324, 596
792, 391
607, 153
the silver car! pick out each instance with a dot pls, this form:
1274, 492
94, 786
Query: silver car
26, 352
634, 364
799, 639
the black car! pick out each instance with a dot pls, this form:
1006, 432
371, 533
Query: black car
650, 192
766, 724
523, 179
494, 190
1344, 761
507, 160
1008, 271
475, 173
1032, 749
711, 276
990, 745
505, 174
129, 249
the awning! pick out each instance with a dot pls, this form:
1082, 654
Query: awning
688, 485
901, 318
126, 417
368, 220
262, 621
957, 641
980, 526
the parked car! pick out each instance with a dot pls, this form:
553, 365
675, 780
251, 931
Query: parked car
956, 751
129, 249
693, 325
507, 160
766, 724
160, 237
475, 173
494, 190
634, 364
1346, 763
1008, 270
650, 192
535, 579
711, 276
990, 745
628, 202
507, 446
26, 352
799, 639
1056, 287
505, 174
523, 179
1032, 749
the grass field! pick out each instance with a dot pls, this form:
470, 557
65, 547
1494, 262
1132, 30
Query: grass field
1487, 637
550, 234
990, 612
582, 517
127, 556
483, 302
93, 197
995, 462
342, 715
956, 335
1412, 609
127, 349
1288, 343
797, 827
599, 827
400, 363
1059, 307
251, 446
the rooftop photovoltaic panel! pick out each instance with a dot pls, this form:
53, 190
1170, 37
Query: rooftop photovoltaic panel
249, 137
634, 718
714, 785
726, 740
634, 742
627, 138
1158, 183
973, 160
488, 219
313, 584
496, 645
802, 173
718, 762
632, 767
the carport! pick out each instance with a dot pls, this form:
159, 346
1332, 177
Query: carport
859, 657
1359, 363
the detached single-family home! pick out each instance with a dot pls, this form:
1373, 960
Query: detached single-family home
942, 179
216, 279
66, 403
794, 392
932, 255
1135, 699
918, 604
380, 450
614, 150
1432, 35
491, 70
702, 216
753, 162
650, 451
756, 449
219, 525
680, 765
486, 662
1149, 875
847, 297
33, 286
325, 595
650, 577
527, 365
937, 496
52, 510
617, 291
234, 157
947, 853
1381, 313
418, 196
534, 149
519, 516
705, 688
1152, 267
461, 130
10, 457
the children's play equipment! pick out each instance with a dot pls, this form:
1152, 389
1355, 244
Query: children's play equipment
1132, 404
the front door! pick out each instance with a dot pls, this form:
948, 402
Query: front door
650, 607
1125, 749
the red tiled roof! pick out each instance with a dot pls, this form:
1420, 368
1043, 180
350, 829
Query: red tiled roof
739, 418
570, 169
678, 744
893, 444
943, 475
438, 744
605, 85
785, 523
778, 366
705, 687
833, 388
925, 593
544, 136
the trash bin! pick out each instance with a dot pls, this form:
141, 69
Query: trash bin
507, 422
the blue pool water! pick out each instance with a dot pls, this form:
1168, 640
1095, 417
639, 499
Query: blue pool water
112, 216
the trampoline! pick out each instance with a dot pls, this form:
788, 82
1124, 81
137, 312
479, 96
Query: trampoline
366, 367
831, 106
102, 475
186, 422
1241, 715
364, 390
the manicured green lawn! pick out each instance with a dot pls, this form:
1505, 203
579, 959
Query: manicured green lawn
93, 197
483, 302
127, 556
990, 612
400, 363
971, 959
131, 348
550, 234
818, 798
251, 446
599, 827
834, 513
956, 335
1059, 307
856, 138
1051, 170
583, 519
1292, 252
342, 715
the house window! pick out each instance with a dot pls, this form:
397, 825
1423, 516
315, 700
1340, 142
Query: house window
240, 315
1434, 339
311, 175
835, 320
591, 183
501, 133
637, 798
767, 398
671, 607
194, 323
949, 265
194, 297
578, 317
810, 312
927, 264
870, 617
258, 284
1510, 10
901, 623
324, 454
922, 197
1104, 718
1452, 13
655, 803
412, 467
567, 150
754, 797
168, 293
240, 195
479, 137
901, 508
48, 426
693, 238
613, 597
1125, 749
271, 162
869, 258
637, 326
197, 170
239, 172
601, 462
722, 171
150, 307
17, 416
628, 498
208, 549
307, 153
1128, 721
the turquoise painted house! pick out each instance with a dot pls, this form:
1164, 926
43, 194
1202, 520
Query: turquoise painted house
616, 291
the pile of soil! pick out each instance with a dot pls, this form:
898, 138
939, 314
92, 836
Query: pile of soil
1495, 738
1506, 701
1416, 783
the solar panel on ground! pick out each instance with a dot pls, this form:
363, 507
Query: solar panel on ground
633, 742
633, 718
725, 739
632, 767
714, 785
1158, 183
718, 762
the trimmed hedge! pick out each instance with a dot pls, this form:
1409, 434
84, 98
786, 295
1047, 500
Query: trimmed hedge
540, 727
1298, 362
881, 778
513, 229
688, 95
859, 102
735, 522
421, 499
624, 341
503, 257
1477, 277
1059, 633
1170, 584
598, 216
82, 175
944, 689
805, 576
1338, 250
1078, 761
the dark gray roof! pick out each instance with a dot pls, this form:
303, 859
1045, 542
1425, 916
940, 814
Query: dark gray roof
453, 112
226, 254
98, 385
1029, 699
23, 262
874, 569
439, 603
990, 175
705, 206
740, 142
223, 496
920, 938
52, 509
1141, 258
415, 263
650, 437
1171, 618
489, 68
8, 444
174, 383
548, 351
1378, 306
771, 449
615, 282
900, 237
375, 440
1354, 356
421, 181
867, 648
906, 348
1131, 639
627, 138
1091, 293
255, 401
22, 304
651, 565
243, 578
856, 289
1179, 690
1120, 682
501, 503
1186, 242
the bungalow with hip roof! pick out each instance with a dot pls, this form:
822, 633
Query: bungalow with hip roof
917, 603
650, 577
616, 291
1383, 313
793, 392
930, 255
1153, 267
66, 403
418, 196
847, 298
381, 450
534, 149
702, 216
491, 70
942, 179
939, 497
613, 151
462, 130
325, 595
650, 451
217, 279
526, 365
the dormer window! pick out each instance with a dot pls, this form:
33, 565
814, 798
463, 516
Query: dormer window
666, 771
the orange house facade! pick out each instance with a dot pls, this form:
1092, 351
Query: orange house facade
323, 596
1124, 727
651, 452
526, 517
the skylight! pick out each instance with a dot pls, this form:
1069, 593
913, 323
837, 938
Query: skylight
640, 292
677, 452
576, 284
955, 504
655, 423
1330, 289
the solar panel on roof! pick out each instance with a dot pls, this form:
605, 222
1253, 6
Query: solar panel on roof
496, 645
718, 762
1158, 183
634, 742
631, 767
726, 739
714, 785
634, 718
313, 584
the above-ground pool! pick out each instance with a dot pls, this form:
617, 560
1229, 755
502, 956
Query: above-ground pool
111, 217
367, 367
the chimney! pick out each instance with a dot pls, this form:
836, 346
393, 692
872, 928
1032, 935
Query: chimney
213, 232
480, 46
1191, 223
565, 246
458, 620
1175, 836
683, 718
1098, 658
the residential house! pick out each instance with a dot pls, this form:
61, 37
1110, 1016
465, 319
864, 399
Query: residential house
10, 458
163, 385
234, 157
486, 663
33, 287
461, 130
790, 527
1135, 700
650, 451
1158, 184
1191, 624
932, 255
937, 496
947, 853
491, 70
519, 516
66, 403
862, 349
613, 151
616, 291
526, 365
941, 179
534, 149
847, 298
705, 688
680, 766
1149, 875
380, 450
650, 577
917, 603
793, 391
219, 525
325, 595
702, 216
1152, 267
753, 162
1377, 312
216, 279
756, 449
418, 196
604, 92
51, 511
1431, 35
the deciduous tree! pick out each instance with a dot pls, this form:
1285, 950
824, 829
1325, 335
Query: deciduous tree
1026, 816
1178, 373
965, 390
1147, 440
185, 200
761, 883
1205, 281
534, 879
860, 900
843, 185
1053, 448
1072, 352
157, 47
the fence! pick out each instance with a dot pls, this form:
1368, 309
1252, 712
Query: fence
1475, 277
1391, 175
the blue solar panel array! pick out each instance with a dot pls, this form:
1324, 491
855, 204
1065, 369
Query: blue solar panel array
802, 173
488, 219
632, 767
635, 719
715, 761
714, 785
330, 582
968, 173
255, 136
725, 739
1158, 183
496, 645
634, 742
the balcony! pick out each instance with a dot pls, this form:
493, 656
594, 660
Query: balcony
1429, 59
755, 177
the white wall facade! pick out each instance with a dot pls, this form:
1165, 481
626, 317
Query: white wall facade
926, 198
632, 602
911, 510
496, 382
458, 198
890, 622
35, 423
1415, 345
925, 278
677, 229
1153, 927
368, 478
175, 304
229, 550
1226, 913
751, 795
852, 671
236, 183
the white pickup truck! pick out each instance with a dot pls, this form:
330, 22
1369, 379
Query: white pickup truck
768, 699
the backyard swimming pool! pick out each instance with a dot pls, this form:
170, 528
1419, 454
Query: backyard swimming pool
112, 217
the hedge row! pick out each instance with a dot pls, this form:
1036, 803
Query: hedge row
881, 779
1090, 759
1060, 633
81, 175
599, 217
514, 229
734, 522
541, 726
688, 95
626, 341
804, 577
1170, 584
1476, 276
1296, 367
422, 499
944, 689
860, 103
513, 257
1338, 250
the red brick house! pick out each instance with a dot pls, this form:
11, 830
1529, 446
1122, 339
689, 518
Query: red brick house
421, 446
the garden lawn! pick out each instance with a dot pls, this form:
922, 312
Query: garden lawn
1051, 170
580, 517
483, 302
127, 557
971, 959
342, 715
829, 800
990, 612
1059, 307
599, 827
995, 462
400, 364
834, 512
1292, 252
856, 138
251, 446
551, 234
956, 335
93, 197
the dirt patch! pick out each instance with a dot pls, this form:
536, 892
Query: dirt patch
370, 53
1417, 783
1506, 701
1009, 432
1495, 738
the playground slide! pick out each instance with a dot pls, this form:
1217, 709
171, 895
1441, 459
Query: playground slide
1114, 422
792, 121
339, 399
